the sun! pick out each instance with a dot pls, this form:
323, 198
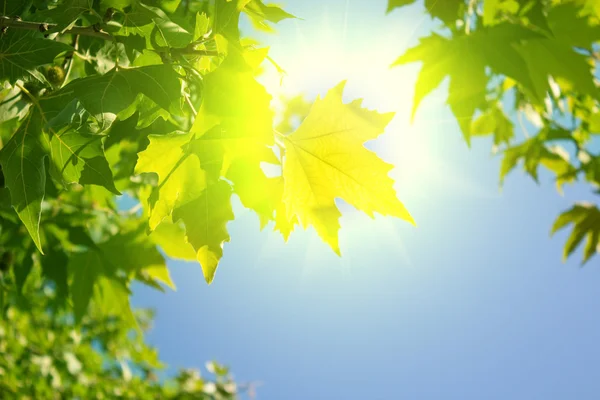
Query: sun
322, 50
319, 52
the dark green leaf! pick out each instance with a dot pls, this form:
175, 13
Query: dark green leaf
22, 160
22, 269
446, 10
68, 13
86, 268
261, 13
107, 95
78, 157
21, 53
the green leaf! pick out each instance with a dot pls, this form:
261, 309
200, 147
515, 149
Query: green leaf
136, 254
111, 297
532, 11
107, 95
493, 9
171, 239
13, 8
13, 104
447, 10
165, 32
226, 20
117, 4
465, 60
392, 4
78, 157
235, 119
205, 222
137, 20
547, 57
85, 268
54, 267
21, 53
69, 12
325, 159
202, 26
457, 58
22, 269
22, 160
97, 270
180, 177
585, 219
570, 27
260, 14
535, 152
495, 122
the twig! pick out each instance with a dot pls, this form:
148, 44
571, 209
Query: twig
187, 51
42, 27
189, 103
91, 31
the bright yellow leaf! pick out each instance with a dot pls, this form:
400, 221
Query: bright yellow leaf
325, 159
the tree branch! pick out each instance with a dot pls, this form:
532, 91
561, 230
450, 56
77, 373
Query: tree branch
44, 27
88, 31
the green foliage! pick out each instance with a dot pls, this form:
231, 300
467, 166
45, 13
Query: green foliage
159, 100
45, 355
516, 59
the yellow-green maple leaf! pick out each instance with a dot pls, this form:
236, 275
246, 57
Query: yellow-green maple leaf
325, 159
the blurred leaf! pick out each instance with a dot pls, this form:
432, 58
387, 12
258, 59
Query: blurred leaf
585, 219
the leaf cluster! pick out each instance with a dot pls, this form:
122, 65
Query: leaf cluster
45, 355
530, 62
155, 104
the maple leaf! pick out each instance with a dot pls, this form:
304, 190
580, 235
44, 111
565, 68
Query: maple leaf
585, 219
325, 159
20, 55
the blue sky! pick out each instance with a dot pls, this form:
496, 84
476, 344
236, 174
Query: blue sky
473, 303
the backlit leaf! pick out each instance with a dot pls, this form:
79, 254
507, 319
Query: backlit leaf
180, 177
325, 159
205, 222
